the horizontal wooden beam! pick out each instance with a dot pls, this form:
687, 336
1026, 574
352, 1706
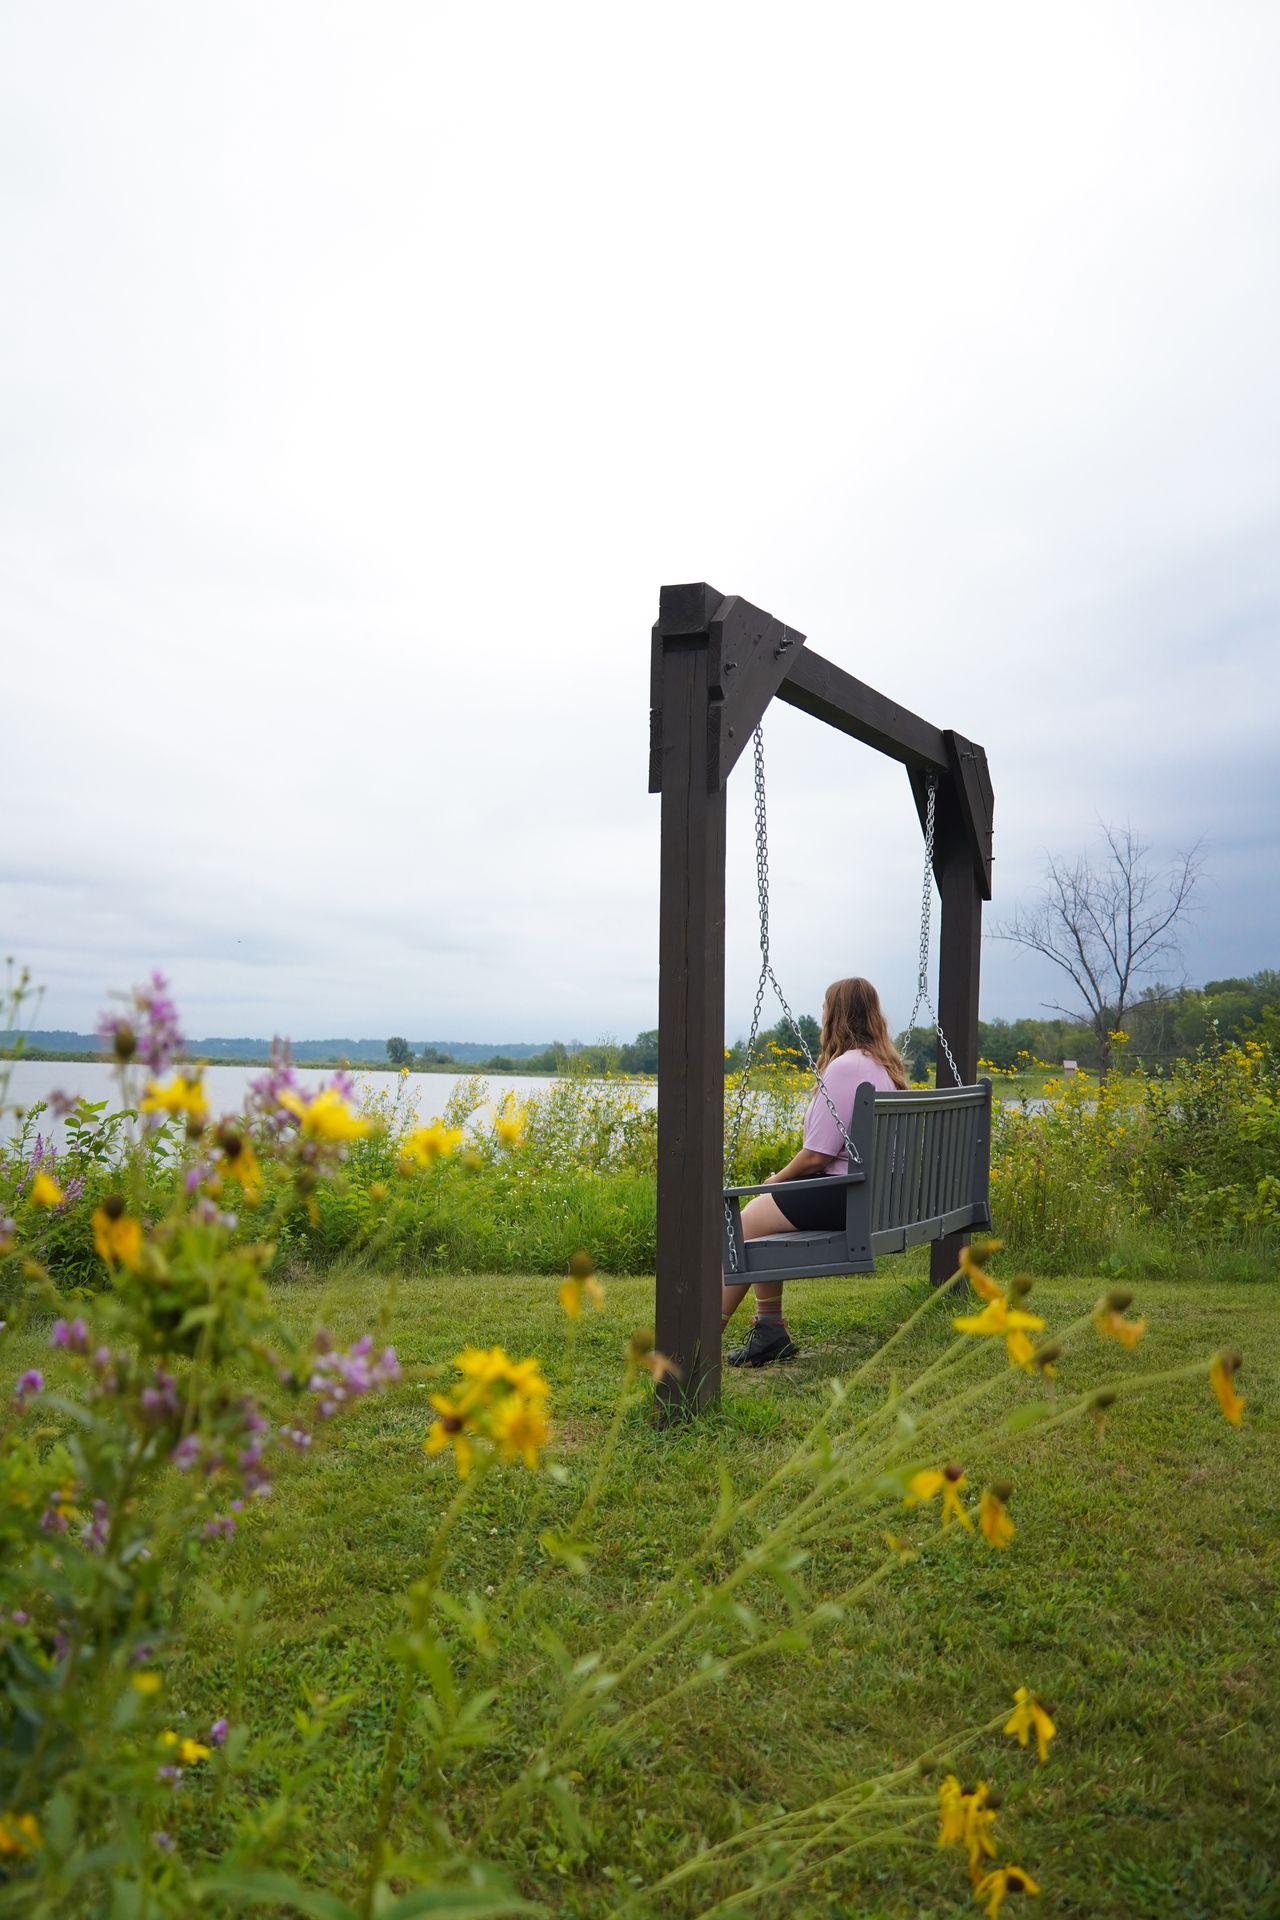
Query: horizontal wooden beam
819, 687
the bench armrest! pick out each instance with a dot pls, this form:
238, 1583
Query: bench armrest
820, 1182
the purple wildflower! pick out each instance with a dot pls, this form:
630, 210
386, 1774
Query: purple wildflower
187, 1452
220, 1529
20, 1616
160, 1036
170, 1774
71, 1335
296, 1437
142, 1655
265, 1091
94, 1534
337, 1377
159, 1401
54, 1519
218, 1733
61, 1104
29, 1385
163, 1840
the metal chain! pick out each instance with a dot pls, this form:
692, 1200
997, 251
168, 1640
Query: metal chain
768, 977
926, 910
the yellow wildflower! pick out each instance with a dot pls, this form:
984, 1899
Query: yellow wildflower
993, 1515
1030, 1717
951, 1813
404, 1073
239, 1161
426, 1144
1221, 1379
116, 1235
490, 1367
450, 1430
192, 1752
574, 1291
1108, 1318
999, 1317
947, 1481
965, 1819
45, 1191
326, 1116
183, 1094
641, 1352
1020, 1350
19, 1833
147, 1684
994, 1887
974, 1260
521, 1429
510, 1121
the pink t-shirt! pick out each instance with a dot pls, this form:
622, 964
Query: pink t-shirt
842, 1078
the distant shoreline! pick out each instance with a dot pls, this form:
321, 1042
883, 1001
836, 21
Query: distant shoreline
337, 1065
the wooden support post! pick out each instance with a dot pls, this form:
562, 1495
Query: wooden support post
690, 1001
960, 878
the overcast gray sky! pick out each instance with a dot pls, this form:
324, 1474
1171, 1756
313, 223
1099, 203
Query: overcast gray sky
365, 368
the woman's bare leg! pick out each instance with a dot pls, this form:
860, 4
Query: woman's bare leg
760, 1216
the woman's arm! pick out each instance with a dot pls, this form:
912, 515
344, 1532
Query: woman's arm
805, 1166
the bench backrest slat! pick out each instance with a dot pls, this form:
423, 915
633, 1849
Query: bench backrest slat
927, 1154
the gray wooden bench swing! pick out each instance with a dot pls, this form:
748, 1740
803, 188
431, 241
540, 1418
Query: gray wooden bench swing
918, 1160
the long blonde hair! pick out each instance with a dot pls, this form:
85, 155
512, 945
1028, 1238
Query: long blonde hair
853, 1017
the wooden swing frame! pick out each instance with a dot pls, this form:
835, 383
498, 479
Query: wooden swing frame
717, 661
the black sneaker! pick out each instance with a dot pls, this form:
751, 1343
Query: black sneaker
763, 1345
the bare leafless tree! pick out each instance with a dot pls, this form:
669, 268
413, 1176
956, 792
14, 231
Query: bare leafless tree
1108, 924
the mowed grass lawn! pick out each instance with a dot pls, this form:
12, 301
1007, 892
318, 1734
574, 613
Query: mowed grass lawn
1139, 1598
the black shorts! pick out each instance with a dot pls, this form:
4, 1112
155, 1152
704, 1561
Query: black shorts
812, 1211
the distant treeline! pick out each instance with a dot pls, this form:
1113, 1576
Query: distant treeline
1167, 1023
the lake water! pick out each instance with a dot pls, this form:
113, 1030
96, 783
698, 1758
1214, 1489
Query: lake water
424, 1093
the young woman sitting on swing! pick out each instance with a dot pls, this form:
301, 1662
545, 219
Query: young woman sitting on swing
856, 1047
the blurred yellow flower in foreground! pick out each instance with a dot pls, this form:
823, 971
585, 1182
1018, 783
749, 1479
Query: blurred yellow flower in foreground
521, 1429
1020, 1350
147, 1684
965, 1820
326, 1116
510, 1121
500, 1405
239, 1160
994, 1887
116, 1236
1108, 1318
429, 1143
993, 1515
19, 1833
450, 1430
1221, 1372
998, 1317
184, 1094
1029, 1717
947, 1481
574, 1291
45, 1191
